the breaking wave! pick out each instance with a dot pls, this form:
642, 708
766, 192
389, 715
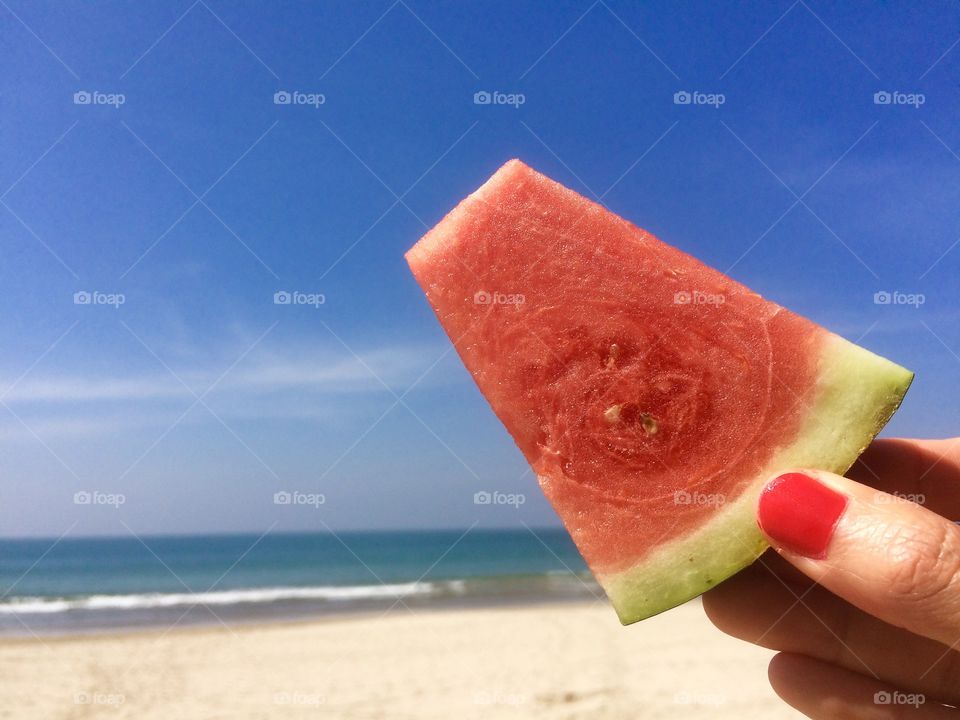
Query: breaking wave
146, 601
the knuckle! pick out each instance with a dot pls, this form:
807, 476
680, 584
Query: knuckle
923, 560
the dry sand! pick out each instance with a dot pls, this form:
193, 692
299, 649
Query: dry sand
556, 661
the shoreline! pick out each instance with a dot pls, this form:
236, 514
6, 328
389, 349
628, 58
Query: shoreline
102, 612
346, 616
451, 605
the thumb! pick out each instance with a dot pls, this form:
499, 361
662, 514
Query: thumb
888, 556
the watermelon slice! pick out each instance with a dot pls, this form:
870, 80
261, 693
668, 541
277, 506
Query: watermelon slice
651, 394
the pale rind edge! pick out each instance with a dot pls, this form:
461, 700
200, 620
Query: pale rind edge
857, 392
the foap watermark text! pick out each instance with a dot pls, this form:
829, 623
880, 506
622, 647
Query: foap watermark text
684, 97
95, 97
95, 497
896, 697
95, 297
295, 297
698, 297
296, 97
686, 497
99, 698
895, 97
295, 497
484, 297
495, 497
298, 698
895, 297
484, 97
883, 498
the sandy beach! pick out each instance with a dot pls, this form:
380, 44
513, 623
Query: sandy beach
556, 661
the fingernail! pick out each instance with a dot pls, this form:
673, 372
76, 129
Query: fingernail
800, 514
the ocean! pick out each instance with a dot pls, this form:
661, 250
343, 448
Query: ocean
98, 584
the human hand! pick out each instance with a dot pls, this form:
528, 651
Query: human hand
861, 594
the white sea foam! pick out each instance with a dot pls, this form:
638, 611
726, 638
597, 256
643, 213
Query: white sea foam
139, 601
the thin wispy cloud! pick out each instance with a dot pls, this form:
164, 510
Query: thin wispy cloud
299, 384
310, 371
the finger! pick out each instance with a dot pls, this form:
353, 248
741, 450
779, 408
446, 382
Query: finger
925, 471
891, 558
757, 607
772, 564
820, 690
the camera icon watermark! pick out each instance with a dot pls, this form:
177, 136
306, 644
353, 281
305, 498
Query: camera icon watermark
895, 97
695, 97
95, 297
896, 297
95, 97
295, 297
484, 97
296, 97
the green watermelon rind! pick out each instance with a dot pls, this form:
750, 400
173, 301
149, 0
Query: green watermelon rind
857, 393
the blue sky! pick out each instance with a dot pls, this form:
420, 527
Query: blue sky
197, 198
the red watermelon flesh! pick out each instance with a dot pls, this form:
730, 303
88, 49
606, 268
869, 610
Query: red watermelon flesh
651, 394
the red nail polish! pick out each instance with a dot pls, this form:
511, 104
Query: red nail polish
800, 514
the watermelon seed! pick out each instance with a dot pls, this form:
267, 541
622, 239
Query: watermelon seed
650, 425
612, 414
612, 355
